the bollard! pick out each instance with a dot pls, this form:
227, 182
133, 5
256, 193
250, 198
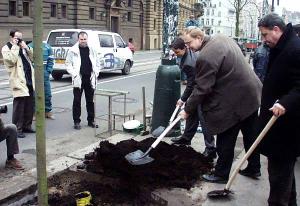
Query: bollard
166, 94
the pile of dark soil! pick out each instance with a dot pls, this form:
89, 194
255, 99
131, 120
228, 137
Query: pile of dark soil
173, 166
114, 181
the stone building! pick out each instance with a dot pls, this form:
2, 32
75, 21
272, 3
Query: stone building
125, 17
186, 9
137, 19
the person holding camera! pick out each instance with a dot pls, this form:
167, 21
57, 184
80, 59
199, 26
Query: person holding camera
9, 132
17, 58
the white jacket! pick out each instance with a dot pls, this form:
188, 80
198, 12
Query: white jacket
73, 63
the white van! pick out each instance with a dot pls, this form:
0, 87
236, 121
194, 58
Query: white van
114, 52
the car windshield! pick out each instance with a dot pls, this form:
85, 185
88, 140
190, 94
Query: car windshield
62, 39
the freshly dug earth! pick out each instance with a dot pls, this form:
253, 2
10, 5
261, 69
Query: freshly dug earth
117, 182
173, 166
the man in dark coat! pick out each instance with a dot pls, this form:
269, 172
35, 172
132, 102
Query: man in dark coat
187, 65
281, 97
229, 92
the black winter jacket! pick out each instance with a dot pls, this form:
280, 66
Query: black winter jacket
282, 83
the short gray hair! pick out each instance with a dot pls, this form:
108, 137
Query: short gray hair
271, 20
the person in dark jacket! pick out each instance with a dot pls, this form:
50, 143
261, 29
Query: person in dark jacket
281, 97
260, 61
229, 93
187, 65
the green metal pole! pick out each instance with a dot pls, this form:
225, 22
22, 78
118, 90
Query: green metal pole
40, 105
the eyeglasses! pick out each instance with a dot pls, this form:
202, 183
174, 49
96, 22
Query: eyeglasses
188, 42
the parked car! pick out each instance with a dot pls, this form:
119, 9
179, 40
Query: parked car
114, 52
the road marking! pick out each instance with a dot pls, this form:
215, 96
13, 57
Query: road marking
103, 82
107, 81
4, 83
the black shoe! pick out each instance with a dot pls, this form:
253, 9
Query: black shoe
214, 178
20, 135
92, 125
250, 173
28, 130
77, 126
181, 140
209, 154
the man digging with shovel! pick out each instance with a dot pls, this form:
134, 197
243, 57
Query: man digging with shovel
187, 65
229, 92
281, 144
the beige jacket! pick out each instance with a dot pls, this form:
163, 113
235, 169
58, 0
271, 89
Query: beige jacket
13, 64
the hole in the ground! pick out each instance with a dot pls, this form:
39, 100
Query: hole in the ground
111, 180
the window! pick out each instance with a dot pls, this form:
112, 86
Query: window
64, 11
212, 12
53, 10
202, 22
220, 4
207, 21
219, 14
129, 16
154, 6
207, 12
154, 24
26, 8
12, 8
129, 3
62, 39
92, 13
219, 23
212, 22
106, 40
141, 20
119, 42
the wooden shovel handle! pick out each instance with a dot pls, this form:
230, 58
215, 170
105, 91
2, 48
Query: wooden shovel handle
252, 148
174, 114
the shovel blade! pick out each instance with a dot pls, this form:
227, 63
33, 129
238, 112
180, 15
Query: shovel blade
138, 158
158, 131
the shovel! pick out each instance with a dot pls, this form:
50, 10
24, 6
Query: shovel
225, 192
140, 158
159, 130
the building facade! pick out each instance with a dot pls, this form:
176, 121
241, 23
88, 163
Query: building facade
126, 17
218, 17
137, 19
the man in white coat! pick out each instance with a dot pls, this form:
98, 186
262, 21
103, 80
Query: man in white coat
81, 63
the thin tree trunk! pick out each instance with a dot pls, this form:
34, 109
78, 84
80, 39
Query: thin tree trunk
40, 105
237, 24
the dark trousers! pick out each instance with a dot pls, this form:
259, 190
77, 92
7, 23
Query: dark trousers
89, 99
23, 109
191, 126
282, 182
226, 143
47, 88
10, 134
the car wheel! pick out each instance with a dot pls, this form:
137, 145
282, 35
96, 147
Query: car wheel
126, 69
57, 76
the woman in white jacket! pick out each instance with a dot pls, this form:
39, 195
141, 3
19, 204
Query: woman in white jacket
83, 65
